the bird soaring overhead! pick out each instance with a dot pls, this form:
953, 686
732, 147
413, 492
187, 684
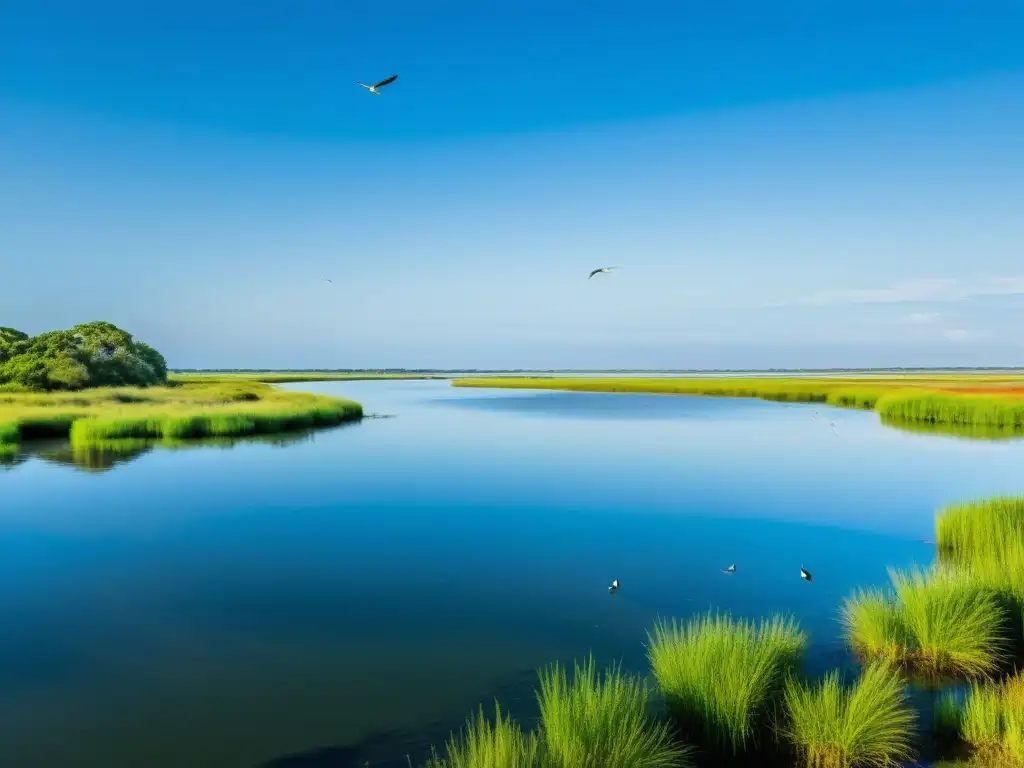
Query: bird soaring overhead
374, 88
600, 270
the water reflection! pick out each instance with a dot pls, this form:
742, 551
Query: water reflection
964, 431
104, 455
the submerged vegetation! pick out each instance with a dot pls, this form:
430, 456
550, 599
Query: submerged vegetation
990, 403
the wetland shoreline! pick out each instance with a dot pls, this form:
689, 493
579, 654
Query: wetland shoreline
979, 401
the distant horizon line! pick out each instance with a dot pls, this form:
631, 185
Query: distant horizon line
937, 369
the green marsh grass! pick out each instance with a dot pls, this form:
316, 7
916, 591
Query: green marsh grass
977, 530
186, 411
939, 624
502, 744
967, 400
989, 719
867, 725
991, 411
603, 721
722, 678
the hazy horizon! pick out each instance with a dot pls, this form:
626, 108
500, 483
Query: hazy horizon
797, 187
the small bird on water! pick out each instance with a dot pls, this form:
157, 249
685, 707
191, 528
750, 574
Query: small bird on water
805, 574
374, 88
614, 585
601, 270
730, 569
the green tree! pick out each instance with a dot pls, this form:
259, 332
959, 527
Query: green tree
94, 354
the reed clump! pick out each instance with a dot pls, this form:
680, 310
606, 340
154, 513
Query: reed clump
502, 744
602, 721
722, 679
978, 530
941, 624
990, 720
867, 725
992, 411
591, 720
185, 411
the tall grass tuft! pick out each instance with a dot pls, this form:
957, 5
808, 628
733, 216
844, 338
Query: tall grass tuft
502, 744
868, 725
976, 530
998, 411
940, 623
991, 721
723, 678
595, 721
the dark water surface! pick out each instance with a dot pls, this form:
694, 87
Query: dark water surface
353, 595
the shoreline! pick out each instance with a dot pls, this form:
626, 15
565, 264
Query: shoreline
981, 401
185, 410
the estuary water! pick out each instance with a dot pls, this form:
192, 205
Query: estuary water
352, 595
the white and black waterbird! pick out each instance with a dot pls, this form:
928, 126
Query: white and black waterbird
730, 569
805, 574
374, 88
613, 586
600, 270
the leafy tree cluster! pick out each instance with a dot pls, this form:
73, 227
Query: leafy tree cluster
89, 355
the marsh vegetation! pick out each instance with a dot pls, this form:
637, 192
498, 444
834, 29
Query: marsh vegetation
989, 404
734, 691
184, 411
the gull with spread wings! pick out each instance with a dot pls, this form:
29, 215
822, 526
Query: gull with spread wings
374, 88
601, 270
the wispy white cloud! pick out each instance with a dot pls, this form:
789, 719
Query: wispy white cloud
923, 289
958, 335
923, 318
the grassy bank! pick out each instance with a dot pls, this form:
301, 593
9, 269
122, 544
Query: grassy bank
986, 403
210, 408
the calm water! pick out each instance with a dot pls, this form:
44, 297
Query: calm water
352, 596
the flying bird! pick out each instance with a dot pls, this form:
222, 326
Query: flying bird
328, 280
833, 425
374, 88
614, 585
805, 574
730, 569
601, 270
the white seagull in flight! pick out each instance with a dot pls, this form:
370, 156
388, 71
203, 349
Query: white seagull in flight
601, 270
373, 88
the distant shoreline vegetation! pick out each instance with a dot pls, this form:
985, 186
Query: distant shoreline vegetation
985, 402
96, 383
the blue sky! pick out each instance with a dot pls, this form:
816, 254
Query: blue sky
782, 184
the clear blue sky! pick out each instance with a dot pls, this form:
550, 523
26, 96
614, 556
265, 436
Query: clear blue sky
782, 184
